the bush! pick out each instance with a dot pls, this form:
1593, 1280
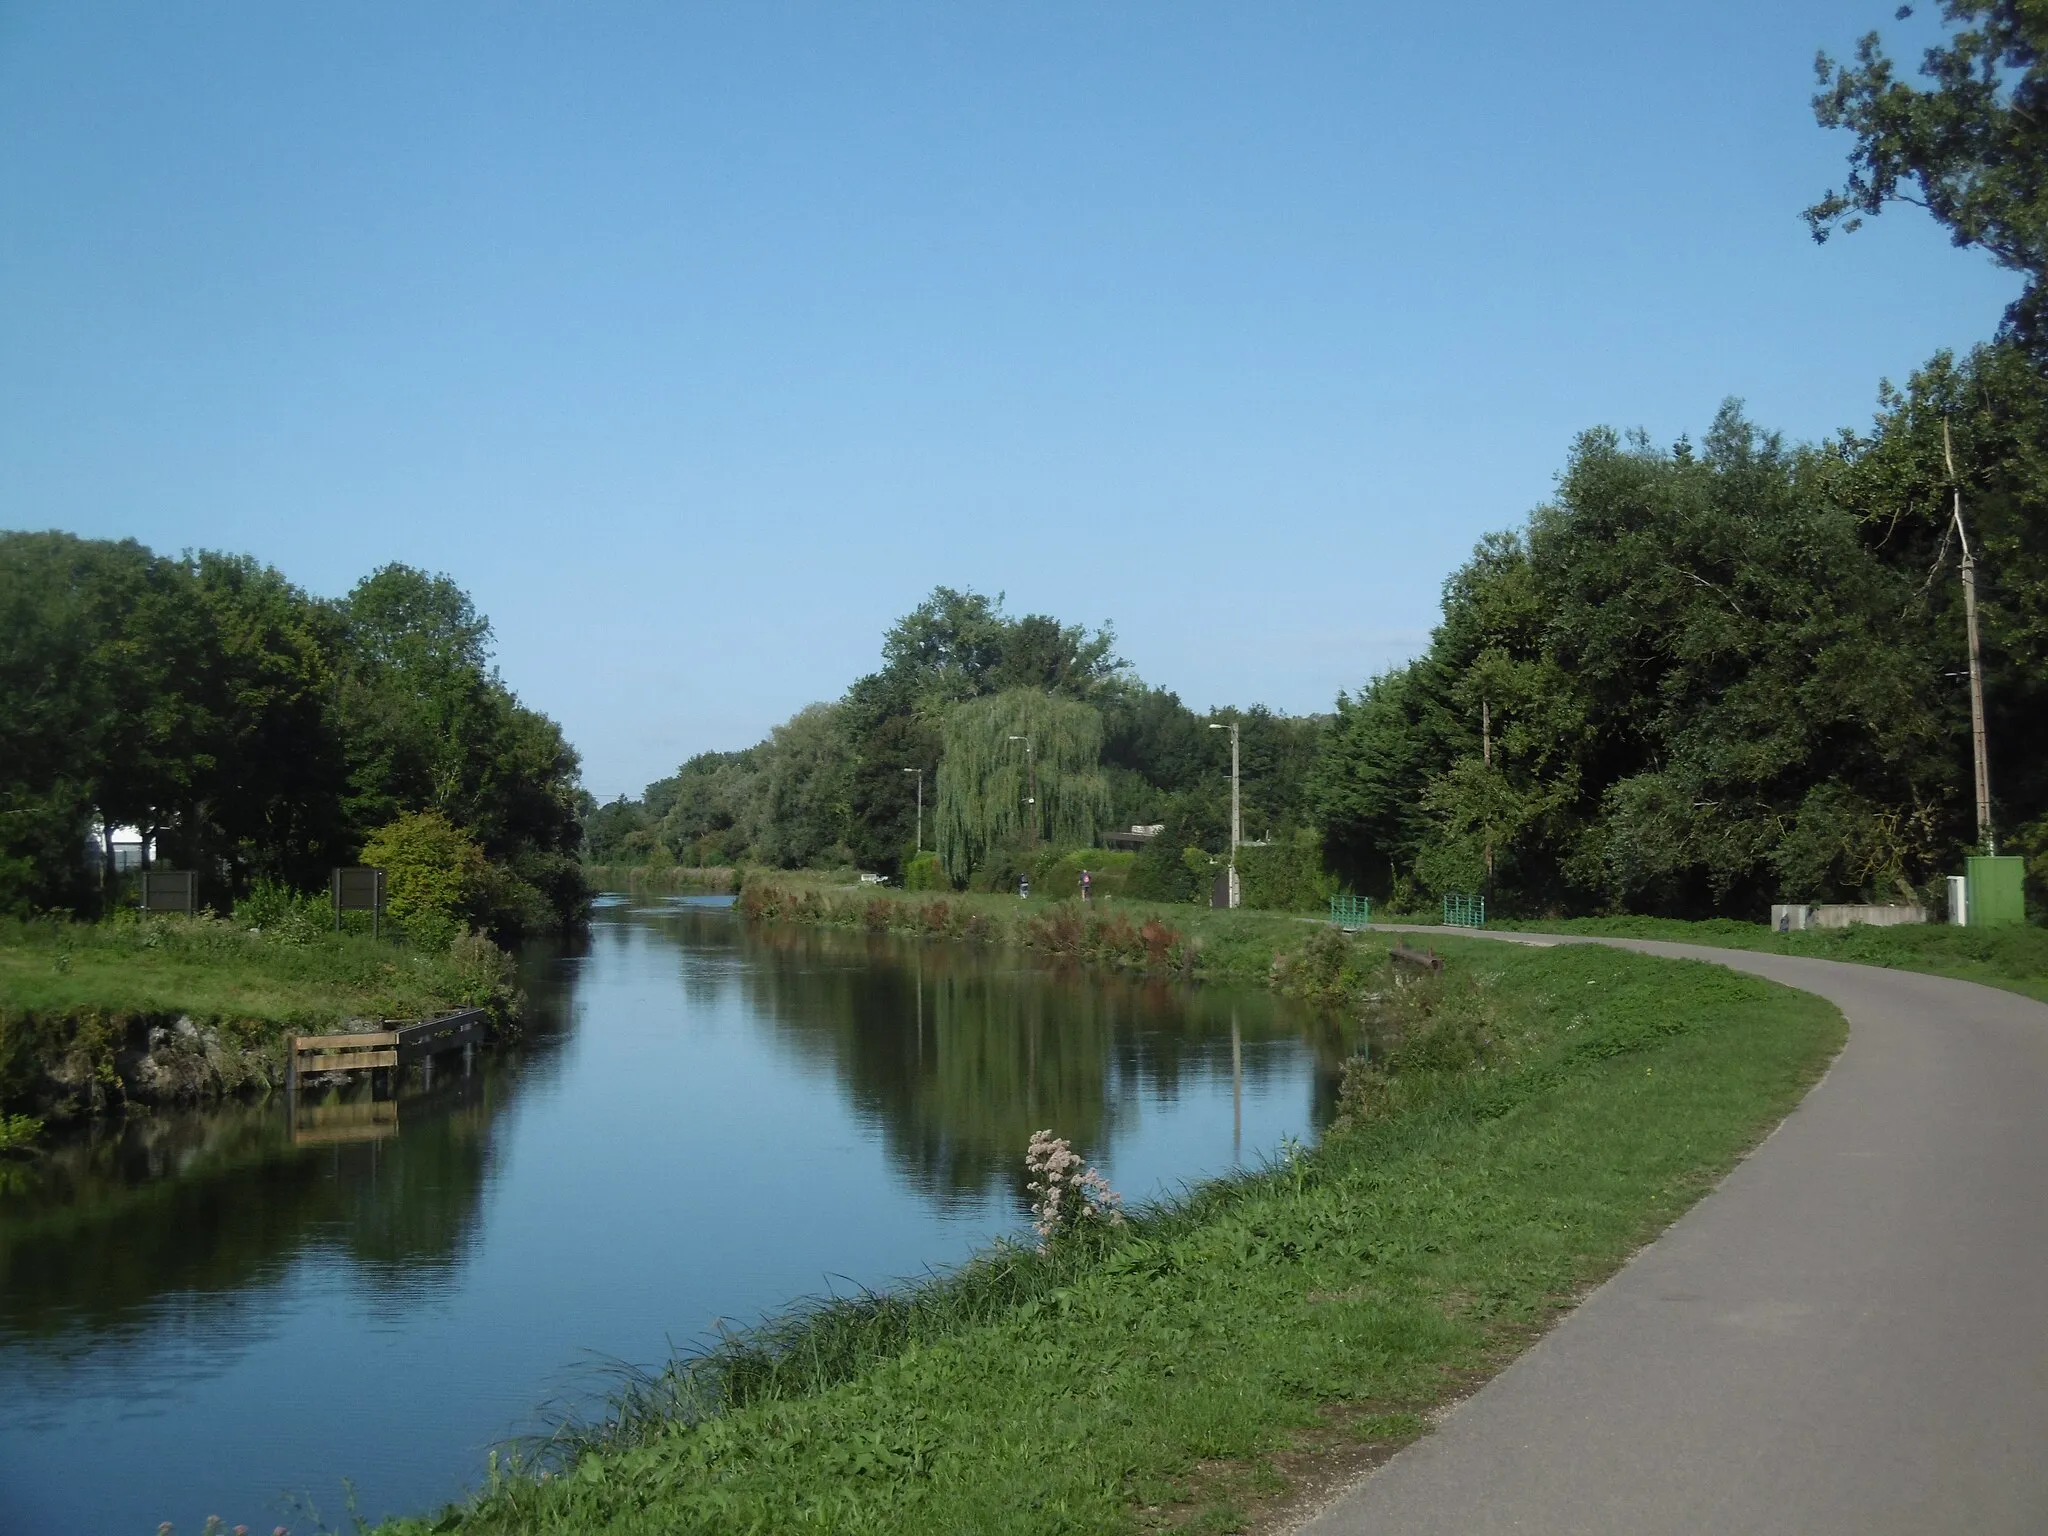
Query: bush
1057, 872
437, 883
1286, 876
278, 912
1162, 872
922, 873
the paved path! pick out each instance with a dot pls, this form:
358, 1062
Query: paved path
1850, 1335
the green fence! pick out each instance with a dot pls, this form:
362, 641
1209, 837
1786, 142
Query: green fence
1464, 911
1351, 911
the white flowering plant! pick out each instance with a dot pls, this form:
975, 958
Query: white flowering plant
1066, 1194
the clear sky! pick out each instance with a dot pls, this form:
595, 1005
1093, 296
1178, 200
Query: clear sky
698, 342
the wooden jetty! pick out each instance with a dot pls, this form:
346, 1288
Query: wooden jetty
397, 1044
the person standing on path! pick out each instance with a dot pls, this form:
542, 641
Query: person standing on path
1087, 883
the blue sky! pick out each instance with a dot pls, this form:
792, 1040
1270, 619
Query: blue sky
699, 342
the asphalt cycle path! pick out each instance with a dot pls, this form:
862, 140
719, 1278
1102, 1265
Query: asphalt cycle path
1848, 1335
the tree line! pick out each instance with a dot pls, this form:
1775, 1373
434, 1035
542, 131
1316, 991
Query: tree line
1703, 677
963, 687
259, 735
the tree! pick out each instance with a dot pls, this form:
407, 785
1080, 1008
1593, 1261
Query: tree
272, 800
704, 807
1973, 144
428, 726
799, 811
986, 776
1634, 704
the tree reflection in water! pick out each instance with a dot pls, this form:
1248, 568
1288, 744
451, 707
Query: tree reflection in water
960, 1053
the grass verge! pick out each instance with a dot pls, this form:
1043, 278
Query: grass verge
1522, 1123
2013, 958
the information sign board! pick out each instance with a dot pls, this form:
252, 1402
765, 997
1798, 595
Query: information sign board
358, 890
169, 890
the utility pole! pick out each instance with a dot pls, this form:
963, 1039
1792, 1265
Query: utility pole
920, 806
1486, 756
1979, 751
1236, 808
1031, 763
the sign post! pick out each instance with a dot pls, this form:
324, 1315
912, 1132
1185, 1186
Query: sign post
358, 890
169, 890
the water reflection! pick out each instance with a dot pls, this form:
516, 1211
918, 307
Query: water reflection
201, 1311
960, 1056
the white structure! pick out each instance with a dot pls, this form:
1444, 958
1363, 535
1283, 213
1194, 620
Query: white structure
128, 847
1796, 918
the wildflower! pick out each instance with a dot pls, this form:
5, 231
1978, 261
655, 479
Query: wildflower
1067, 1193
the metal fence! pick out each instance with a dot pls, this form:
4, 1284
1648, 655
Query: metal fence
1464, 911
1351, 911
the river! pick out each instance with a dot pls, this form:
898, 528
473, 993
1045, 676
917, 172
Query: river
218, 1312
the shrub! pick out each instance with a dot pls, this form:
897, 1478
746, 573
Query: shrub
923, 874
489, 975
278, 912
1286, 876
1058, 874
436, 880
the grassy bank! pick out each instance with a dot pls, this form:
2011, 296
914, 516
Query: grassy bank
1195, 943
2013, 958
1520, 1125
80, 1002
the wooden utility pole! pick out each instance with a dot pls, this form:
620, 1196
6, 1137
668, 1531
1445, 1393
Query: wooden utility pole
920, 806
1236, 808
1486, 756
1979, 751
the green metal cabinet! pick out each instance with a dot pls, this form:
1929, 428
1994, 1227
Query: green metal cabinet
1997, 891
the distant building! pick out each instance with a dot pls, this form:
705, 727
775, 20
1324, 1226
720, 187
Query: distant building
1136, 837
130, 849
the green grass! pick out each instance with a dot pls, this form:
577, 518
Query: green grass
1535, 1116
211, 970
2013, 958
71, 988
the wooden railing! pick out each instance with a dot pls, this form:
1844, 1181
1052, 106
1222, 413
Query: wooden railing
399, 1044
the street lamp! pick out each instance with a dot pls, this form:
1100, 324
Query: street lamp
920, 806
1032, 764
1236, 815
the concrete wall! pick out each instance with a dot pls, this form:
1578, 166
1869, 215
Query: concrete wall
1877, 917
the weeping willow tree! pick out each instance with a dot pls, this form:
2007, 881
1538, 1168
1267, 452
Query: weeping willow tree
985, 775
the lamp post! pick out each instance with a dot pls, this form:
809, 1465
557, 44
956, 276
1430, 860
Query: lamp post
1236, 811
920, 806
1031, 763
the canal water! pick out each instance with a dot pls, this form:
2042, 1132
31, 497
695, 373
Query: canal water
220, 1313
